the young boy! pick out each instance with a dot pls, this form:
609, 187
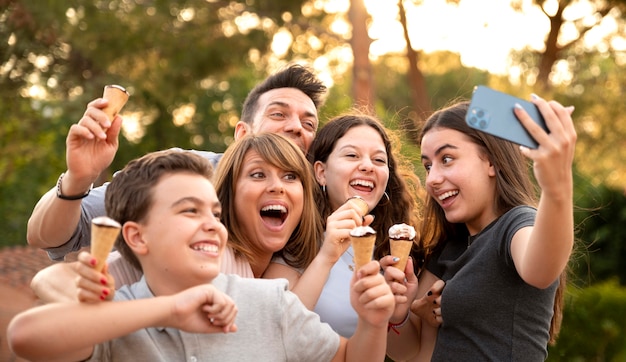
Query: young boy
170, 218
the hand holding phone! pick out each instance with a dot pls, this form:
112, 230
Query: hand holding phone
491, 112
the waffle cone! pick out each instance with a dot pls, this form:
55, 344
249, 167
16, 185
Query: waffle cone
104, 232
401, 249
360, 205
363, 247
117, 97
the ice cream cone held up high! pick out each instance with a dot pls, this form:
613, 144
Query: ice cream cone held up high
360, 205
401, 237
104, 231
117, 97
363, 239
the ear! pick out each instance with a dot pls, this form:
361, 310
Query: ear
133, 236
319, 168
491, 171
241, 129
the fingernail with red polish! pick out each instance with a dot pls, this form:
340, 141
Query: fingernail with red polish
93, 262
103, 281
105, 292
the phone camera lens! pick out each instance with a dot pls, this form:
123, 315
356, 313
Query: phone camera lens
473, 120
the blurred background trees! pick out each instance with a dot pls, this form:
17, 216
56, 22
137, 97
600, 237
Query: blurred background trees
189, 65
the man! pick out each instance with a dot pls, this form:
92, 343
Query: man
285, 103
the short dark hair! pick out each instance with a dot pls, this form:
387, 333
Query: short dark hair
294, 76
129, 196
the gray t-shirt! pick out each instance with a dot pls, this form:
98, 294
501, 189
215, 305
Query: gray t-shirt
273, 325
93, 206
489, 313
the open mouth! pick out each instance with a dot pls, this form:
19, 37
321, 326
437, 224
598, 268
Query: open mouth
274, 215
362, 185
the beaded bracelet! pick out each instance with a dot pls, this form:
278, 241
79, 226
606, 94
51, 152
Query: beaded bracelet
394, 327
71, 197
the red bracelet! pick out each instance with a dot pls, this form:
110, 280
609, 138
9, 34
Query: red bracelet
394, 327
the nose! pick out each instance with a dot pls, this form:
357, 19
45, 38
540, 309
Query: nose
212, 223
433, 177
293, 125
276, 186
366, 164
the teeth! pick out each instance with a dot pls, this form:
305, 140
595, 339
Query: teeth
280, 208
209, 248
369, 184
445, 195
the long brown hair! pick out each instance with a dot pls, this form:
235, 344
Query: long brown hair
276, 150
514, 187
404, 191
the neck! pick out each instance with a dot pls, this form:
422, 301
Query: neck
260, 265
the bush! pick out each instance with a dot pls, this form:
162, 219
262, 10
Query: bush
594, 325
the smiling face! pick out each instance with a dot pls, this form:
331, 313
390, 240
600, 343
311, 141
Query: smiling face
268, 204
182, 232
459, 178
357, 166
285, 111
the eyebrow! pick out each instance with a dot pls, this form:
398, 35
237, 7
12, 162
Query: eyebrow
195, 200
287, 105
440, 150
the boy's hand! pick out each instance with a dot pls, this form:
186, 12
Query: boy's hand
93, 286
403, 285
203, 309
370, 295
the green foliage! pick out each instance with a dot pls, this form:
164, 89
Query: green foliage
599, 216
593, 325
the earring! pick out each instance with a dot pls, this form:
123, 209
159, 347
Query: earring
387, 196
324, 188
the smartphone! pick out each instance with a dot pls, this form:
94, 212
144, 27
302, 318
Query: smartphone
491, 111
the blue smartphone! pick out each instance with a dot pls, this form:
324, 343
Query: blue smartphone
491, 111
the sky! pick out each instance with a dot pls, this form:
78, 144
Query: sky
483, 32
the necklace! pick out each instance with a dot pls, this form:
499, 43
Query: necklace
350, 266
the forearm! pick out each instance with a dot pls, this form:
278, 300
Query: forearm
61, 329
405, 343
368, 343
551, 241
53, 221
311, 283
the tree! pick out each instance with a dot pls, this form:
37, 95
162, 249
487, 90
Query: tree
362, 80
556, 45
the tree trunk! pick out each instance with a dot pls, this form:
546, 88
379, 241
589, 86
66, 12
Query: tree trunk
362, 83
551, 54
417, 82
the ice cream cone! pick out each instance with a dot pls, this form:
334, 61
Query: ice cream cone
363, 239
104, 231
117, 97
401, 238
401, 249
360, 205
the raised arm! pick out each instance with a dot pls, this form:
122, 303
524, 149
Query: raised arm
373, 301
91, 145
69, 331
541, 252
